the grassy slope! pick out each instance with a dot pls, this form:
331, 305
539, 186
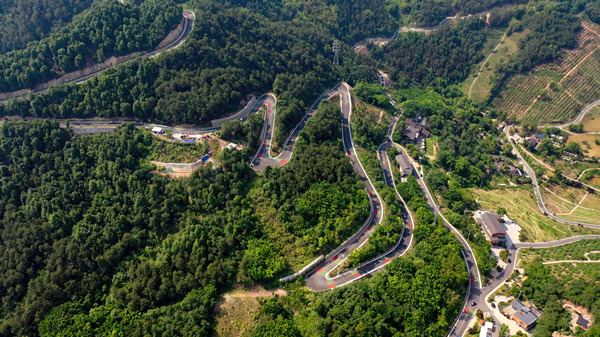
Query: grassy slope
521, 207
483, 85
591, 121
572, 203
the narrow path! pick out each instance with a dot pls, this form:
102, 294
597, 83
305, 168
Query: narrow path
571, 261
539, 199
584, 171
484, 63
536, 159
577, 206
577, 65
255, 293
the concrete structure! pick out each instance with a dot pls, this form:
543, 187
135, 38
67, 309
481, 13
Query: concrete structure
486, 329
404, 165
158, 130
524, 315
492, 227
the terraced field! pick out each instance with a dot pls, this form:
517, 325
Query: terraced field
557, 91
569, 272
579, 250
572, 203
480, 90
521, 207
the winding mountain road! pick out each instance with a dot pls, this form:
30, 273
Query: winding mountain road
188, 18
319, 279
478, 299
536, 189
577, 119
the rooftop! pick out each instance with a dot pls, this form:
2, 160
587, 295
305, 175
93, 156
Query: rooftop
583, 322
486, 330
404, 164
491, 221
524, 313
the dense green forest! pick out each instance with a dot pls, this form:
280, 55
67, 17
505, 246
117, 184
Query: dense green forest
198, 82
90, 234
419, 295
544, 41
429, 13
93, 242
467, 140
23, 21
419, 59
108, 28
548, 293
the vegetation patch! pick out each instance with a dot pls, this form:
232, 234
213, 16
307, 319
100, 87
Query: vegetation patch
481, 89
557, 91
568, 272
175, 152
571, 251
571, 203
591, 121
589, 143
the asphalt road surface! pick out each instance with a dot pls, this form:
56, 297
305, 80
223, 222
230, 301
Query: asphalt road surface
536, 188
319, 279
189, 21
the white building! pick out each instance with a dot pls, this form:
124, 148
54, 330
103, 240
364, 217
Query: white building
486, 329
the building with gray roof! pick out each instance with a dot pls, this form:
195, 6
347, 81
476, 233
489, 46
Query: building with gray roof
524, 315
492, 227
404, 164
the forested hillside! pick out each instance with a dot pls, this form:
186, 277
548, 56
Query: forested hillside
417, 296
86, 223
419, 59
108, 28
23, 21
198, 81
429, 13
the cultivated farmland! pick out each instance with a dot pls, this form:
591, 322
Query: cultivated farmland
520, 206
505, 47
572, 203
557, 91
579, 250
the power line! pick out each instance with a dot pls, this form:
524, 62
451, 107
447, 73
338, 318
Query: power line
336, 49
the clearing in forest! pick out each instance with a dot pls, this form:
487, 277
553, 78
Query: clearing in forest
498, 50
591, 121
237, 311
557, 91
521, 207
588, 143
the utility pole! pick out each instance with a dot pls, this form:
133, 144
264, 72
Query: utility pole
336, 49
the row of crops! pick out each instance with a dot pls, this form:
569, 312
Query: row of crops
571, 251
